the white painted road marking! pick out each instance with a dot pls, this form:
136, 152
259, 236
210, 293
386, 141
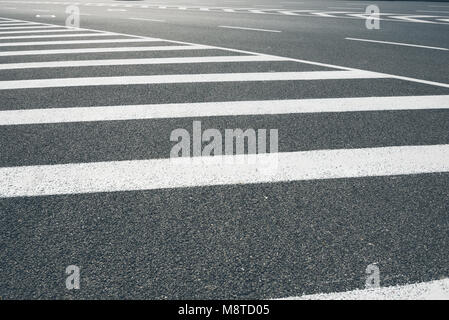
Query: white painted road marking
188, 78
97, 50
46, 43
144, 19
29, 181
215, 109
45, 16
432, 290
69, 35
251, 29
122, 62
397, 43
40, 31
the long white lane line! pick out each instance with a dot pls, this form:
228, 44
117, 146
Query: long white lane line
113, 176
398, 44
432, 290
215, 109
47, 43
187, 78
32, 27
144, 19
250, 29
13, 24
41, 31
97, 50
69, 35
122, 62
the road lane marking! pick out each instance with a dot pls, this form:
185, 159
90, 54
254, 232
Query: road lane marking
188, 78
117, 10
42, 31
413, 18
33, 27
144, 19
70, 35
97, 50
251, 29
47, 43
216, 109
398, 44
432, 290
45, 16
113, 176
431, 11
144, 61
2, 25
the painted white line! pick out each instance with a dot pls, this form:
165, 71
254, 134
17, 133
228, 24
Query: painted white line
215, 109
42, 31
46, 43
11, 24
171, 173
45, 16
250, 29
97, 50
432, 290
187, 78
346, 8
117, 10
145, 61
398, 44
41, 10
70, 35
431, 11
413, 18
33, 27
144, 19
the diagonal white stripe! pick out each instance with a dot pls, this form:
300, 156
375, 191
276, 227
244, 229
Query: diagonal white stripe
432, 290
188, 78
48, 43
119, 62
70, 35
211, 109
97, 50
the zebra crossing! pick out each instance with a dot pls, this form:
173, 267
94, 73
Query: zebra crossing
97, 96
387, 16
13, 179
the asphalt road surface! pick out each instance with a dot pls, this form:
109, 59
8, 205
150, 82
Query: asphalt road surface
361, 176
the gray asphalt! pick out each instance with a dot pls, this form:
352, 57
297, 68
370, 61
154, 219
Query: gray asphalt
240, 241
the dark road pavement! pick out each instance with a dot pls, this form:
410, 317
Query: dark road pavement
86, 116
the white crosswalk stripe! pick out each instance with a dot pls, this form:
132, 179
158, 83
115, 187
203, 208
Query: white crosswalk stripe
223, 170
210, 109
